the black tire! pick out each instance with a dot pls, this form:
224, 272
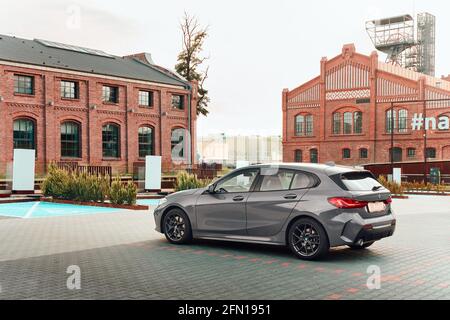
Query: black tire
365, 245
307, 239
177, 227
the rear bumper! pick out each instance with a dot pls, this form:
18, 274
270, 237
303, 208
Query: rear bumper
358, 229
372, 233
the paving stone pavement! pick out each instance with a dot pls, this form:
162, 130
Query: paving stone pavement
121, 257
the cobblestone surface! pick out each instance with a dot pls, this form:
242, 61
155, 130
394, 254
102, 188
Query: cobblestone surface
121, 257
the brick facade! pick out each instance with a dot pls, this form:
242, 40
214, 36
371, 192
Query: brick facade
48, 110
352, 82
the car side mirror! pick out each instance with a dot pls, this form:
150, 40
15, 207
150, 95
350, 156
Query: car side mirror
211, 188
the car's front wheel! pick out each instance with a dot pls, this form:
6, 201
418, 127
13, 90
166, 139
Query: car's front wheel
308, 239
177, 227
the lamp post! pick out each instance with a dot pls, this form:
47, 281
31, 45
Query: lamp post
391, 111
425, 178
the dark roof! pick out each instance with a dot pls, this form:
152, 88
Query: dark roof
51, 54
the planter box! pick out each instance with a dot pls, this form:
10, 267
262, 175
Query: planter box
97, 204
427, 193
399, 197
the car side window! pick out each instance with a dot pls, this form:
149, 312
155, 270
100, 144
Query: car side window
276, 181
240, 182
302, 181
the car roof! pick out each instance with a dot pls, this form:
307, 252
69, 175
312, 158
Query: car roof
328, 169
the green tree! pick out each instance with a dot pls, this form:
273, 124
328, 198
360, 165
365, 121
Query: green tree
190, 59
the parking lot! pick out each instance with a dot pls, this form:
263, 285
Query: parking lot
120, 256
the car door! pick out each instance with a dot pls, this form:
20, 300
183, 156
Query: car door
223, 212
275, 196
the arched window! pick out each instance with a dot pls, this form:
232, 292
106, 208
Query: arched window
299, 125
402, 120
111, 140
178, 143
397, 155
431, 153
145, 138
313, 156
357, 122
348, 123
304, 125
336, 123
363, 153
346, 153
24, 134
70, 139
298, 155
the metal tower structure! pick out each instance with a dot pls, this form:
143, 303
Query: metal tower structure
426, 43
407, 43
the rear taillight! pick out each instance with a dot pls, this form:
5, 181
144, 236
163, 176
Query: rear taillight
347, 203
388, 200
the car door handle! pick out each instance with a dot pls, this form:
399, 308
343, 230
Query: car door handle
238, 198
290, 196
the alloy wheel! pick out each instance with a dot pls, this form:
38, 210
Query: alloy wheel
175, 227
305, 240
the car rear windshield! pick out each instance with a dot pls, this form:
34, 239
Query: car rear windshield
358, 181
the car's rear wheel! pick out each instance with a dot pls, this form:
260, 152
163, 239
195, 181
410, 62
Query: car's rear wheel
177, 227
308, 239
363, 246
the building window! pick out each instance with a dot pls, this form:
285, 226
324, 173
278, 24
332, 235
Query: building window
402, 120
23, 84
299, 125
145, 137
397, 155
346, 153
400, 124
146, 98
336, 123
348, 123
178, 101
110, 94
431, 153
69, 89
390, 120
304, 125
411, 152
70, 140
298, 155
363, 153
24, 134
309, 125
357, 122
313, 156
178, 143
111, 141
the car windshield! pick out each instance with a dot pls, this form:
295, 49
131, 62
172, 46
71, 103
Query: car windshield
360, 181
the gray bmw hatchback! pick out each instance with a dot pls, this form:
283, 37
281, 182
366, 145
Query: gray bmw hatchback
308, 207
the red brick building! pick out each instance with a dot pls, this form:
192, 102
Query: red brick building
343, 115
86, 106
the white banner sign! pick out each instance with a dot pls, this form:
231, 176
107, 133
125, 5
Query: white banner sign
23, 170
153, 173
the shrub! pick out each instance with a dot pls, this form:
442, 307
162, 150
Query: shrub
131, 189
57, 183
187, 181
393, 187
117, 192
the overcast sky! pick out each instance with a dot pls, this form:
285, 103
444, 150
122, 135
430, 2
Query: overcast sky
256, 48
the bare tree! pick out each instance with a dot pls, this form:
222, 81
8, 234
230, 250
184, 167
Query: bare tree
190, 59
